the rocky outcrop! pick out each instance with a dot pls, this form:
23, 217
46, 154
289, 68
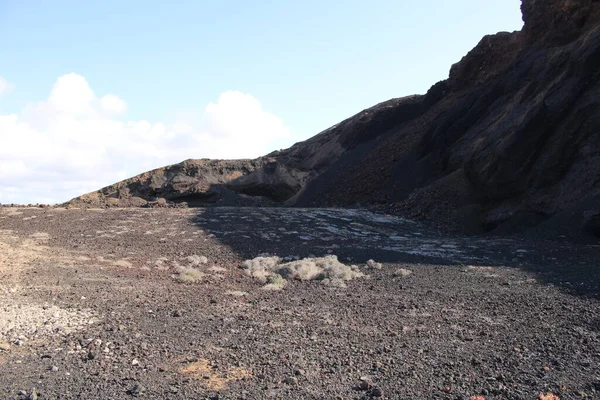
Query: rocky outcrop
263, 181
510, 141
558, 22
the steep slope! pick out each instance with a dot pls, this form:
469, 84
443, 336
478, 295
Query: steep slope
510, 141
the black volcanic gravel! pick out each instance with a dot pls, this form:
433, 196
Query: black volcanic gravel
502, 318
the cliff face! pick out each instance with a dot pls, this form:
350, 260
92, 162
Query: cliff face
510, 141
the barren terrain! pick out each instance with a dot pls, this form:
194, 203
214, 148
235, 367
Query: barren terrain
153, 303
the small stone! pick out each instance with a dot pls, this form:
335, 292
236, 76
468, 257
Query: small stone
177, 313
376, 392
33, 395
91, 355
136, 390
22, 393
4, 346
135, 362
299, 372
291, 381
365, 383
54, 368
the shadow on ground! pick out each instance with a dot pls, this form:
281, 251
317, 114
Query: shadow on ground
356, 236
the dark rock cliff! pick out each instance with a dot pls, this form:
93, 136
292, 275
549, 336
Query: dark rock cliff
511, 141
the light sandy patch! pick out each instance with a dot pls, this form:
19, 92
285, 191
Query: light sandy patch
212, 378
13, 213
196, 260
162, 263
123, 263
473, 268
41, 237
13, 257
20, 321
488, 272
236, 293
217, 269
31, 321
7, 233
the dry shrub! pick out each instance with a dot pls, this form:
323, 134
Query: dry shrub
329, 270
373, 265
402, 272
261, 267
189, 275
275, 282
196, 260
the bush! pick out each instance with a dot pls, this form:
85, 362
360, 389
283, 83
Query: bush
402, 272
189, 275
329, 270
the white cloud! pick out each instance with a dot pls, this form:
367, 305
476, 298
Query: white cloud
71, 94
5, 85
113, 104
74, 142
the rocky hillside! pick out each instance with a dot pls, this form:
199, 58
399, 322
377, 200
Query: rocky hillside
510, 141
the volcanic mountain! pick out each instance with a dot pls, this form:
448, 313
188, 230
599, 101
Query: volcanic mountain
510, 141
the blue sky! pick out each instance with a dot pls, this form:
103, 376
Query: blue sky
287, 68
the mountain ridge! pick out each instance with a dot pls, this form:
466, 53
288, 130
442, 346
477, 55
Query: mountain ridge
510, 141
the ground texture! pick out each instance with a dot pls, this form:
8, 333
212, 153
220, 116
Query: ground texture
92, 305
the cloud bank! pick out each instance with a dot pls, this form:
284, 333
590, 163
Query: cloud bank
75, 142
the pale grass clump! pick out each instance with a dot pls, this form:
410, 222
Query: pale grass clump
328, 270
402, 273
302, 270
189, 275
275, 282
196, 260
372, 264
261, 267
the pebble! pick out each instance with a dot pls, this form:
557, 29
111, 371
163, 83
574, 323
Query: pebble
33, 395
291, 381
365, 383
54, 368
136, 390
4, 346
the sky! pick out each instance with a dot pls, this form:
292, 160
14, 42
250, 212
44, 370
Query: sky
95, 92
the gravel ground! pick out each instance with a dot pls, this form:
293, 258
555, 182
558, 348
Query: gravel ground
92, 305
